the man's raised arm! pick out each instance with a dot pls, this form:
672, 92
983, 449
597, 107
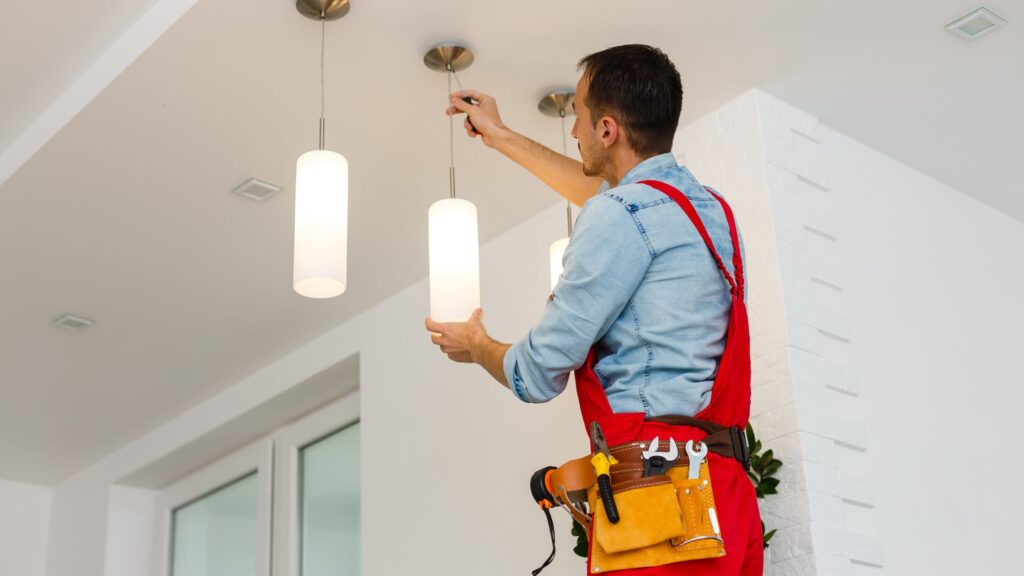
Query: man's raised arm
560, 172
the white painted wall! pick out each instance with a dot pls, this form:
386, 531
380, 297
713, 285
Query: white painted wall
24, 528
933, 281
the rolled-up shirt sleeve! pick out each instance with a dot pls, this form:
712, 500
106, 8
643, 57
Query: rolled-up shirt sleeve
604, 263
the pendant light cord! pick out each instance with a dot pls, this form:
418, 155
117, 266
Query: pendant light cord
323, 89
565, 152
451, 136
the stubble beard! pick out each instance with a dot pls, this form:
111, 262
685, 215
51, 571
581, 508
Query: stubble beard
589, 168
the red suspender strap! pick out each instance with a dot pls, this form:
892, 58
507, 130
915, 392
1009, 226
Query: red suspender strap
737, 259
687, 206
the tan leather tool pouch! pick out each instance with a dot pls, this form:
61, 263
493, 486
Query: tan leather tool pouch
663, 520
649, 514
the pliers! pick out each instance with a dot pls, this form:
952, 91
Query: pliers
603, 461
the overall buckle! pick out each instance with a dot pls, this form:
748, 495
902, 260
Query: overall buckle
740, 449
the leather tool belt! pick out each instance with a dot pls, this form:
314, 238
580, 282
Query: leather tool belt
665, 518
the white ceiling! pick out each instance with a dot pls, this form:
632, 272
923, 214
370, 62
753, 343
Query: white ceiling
45, 47
125, 215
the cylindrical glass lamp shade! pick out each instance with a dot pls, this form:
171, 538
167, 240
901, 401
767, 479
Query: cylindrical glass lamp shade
321, 224
454, 260
557, 251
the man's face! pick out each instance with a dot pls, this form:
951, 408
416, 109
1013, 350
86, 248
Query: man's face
583, 130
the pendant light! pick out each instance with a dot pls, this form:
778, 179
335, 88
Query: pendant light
559, 105
453, 239
321, 192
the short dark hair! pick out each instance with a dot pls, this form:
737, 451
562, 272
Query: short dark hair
641, 88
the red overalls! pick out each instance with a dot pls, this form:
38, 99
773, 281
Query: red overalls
735, 496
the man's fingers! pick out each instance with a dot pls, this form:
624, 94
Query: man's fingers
435, 327
474, 94
463, 357
461, 105
436, 338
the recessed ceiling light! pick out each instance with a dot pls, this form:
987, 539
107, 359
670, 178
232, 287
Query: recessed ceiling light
72, 322
976, 24
256, 189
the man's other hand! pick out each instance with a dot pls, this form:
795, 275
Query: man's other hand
459, 340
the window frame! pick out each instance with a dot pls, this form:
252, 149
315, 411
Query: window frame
288, 443
257, 458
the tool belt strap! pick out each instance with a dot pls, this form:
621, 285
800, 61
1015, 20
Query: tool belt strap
570, 482
729, 442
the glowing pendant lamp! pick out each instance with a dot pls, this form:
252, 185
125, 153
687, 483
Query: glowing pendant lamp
559, 105
454, 241
321, 193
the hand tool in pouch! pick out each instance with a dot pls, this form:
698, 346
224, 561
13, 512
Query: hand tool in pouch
696, 458
603, 461
657, 463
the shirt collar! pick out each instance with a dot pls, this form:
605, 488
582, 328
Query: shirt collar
648, 168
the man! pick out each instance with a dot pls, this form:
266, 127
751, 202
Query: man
644, 304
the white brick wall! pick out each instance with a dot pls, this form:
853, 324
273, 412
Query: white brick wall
771, 161
726, 150
829, 414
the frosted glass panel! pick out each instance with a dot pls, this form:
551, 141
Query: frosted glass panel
216, 535
330, 505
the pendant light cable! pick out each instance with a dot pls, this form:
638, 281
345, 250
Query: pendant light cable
323, 89
565, 152
451, 135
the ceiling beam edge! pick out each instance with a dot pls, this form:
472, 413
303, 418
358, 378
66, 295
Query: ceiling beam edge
104, 70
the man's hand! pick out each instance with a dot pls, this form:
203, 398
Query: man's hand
483, 112
468, 342
457, 339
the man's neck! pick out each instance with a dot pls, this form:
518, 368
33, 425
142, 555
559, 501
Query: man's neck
623, 165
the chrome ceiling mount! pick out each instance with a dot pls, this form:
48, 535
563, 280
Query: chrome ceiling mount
448, 56
557, 104
322, 9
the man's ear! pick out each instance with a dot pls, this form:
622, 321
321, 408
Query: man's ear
608, 131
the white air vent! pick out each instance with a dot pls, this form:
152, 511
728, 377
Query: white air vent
256, 189
976, 24
72, 322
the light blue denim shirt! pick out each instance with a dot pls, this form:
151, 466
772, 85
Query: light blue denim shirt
640, 285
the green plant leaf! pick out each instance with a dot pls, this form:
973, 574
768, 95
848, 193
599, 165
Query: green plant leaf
755, 463
582, 546
772, 467
763, 468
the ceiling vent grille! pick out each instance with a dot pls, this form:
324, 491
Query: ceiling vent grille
72, 323
256, 189
976, 24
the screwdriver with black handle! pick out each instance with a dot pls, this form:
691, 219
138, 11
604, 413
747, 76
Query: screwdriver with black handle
603, 461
